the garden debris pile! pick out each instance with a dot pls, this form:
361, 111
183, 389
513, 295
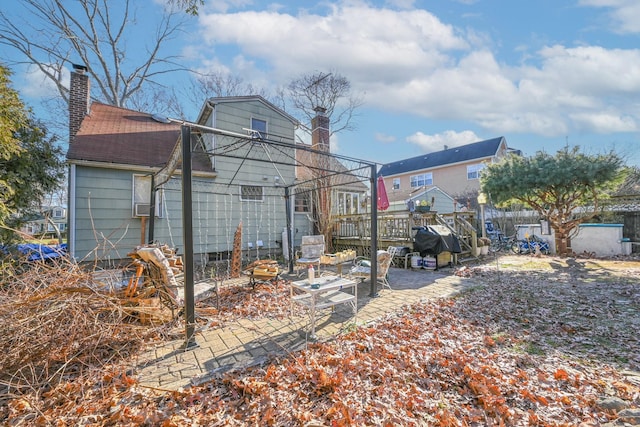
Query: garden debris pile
57, 326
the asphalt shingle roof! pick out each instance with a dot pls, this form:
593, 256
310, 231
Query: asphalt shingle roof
117, 135
476, 150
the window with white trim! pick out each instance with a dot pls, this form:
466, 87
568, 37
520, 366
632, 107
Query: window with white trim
421, 180
396, 183
348, 203
142, 197
57, 213
51, 228
474, 171
251, 193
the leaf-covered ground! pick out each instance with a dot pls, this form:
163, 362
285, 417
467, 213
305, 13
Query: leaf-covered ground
543, 342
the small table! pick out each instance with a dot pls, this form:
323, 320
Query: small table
330, 292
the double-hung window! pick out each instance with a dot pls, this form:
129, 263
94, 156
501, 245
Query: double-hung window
396, 183
421, 180
474, 171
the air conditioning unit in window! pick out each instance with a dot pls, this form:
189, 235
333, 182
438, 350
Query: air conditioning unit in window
141, 209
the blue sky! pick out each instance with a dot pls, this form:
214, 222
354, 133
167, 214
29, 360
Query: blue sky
542, 73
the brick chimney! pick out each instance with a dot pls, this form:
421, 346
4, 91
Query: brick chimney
320, 130
78, 99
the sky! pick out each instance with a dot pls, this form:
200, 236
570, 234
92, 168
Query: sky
544, 74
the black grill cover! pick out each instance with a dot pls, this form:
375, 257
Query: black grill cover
429, 242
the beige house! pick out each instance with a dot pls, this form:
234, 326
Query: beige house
455, 171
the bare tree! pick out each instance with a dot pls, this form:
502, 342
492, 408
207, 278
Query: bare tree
219, 84
330, 91
55, 33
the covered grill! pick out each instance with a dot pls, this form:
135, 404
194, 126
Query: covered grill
434, 240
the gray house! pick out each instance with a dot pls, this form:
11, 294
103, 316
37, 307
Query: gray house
114, 154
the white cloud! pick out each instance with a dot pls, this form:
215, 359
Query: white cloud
606, 123
624, 14
437, 142
38, 86
389, 48
410, 62
383, 137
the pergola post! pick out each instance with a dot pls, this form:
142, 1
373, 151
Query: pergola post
287, 203
373, 292
187, 229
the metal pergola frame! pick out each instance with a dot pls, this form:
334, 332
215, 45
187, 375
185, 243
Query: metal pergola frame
182, 154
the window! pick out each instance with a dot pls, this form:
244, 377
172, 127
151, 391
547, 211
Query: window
396, 183
142, 197
474, 171
422, 180
303, 202
348, 203
52, 229
250, 193
58, 213
260, 126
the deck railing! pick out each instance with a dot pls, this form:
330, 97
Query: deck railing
398, 228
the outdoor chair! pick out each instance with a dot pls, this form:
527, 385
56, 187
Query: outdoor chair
362, 267
311, 250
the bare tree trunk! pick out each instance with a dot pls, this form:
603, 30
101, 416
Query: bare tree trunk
563, 243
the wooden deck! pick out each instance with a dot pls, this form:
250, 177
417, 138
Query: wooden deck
396, 229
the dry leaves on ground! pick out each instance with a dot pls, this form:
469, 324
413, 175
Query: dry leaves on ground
483, 358
244, 302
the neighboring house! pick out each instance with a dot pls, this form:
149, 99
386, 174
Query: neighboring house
433, 198
114, 152
50, 221
454, 171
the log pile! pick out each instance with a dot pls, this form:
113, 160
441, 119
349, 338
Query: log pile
155, 283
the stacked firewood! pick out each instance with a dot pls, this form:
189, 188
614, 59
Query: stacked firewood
155, 282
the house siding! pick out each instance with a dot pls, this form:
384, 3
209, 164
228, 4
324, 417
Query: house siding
261, 220
107, 231
103, 222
